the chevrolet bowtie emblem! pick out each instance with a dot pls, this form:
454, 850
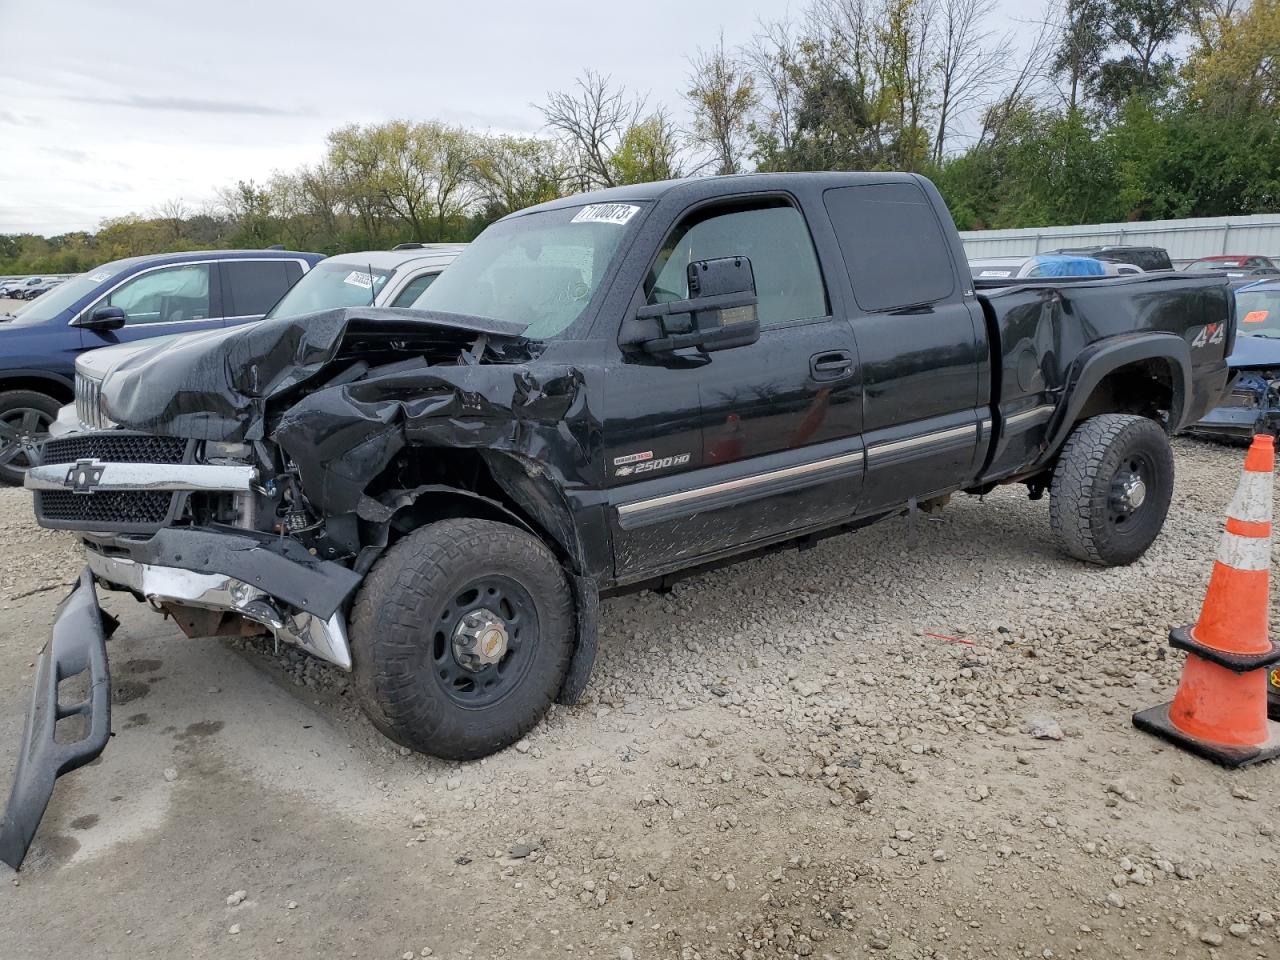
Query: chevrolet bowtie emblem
84, 476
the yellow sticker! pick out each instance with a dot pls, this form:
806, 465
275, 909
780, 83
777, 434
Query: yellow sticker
1275, 678
1255, 316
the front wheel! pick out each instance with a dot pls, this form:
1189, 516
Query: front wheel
25, 416
1111, 489
461, 636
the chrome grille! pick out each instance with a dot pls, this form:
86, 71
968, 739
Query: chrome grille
115, 446
89, 403
133, 511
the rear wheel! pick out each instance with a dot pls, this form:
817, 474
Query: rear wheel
461, 637
1111, 489
25, 416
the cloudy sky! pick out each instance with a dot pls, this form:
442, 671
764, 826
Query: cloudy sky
113, 106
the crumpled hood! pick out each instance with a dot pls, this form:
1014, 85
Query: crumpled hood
343, 391
215, 386
1251, 353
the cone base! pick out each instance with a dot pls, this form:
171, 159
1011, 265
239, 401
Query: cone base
1155, 720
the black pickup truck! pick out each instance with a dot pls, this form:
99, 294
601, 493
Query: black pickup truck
602, 394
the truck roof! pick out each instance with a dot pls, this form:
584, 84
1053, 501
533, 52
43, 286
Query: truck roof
706, 187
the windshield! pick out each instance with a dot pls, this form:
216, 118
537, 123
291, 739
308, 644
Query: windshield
1259, 312
331, 284
60, 297
1214, 265
540, 269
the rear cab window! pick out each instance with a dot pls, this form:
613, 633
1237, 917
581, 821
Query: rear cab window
893, 246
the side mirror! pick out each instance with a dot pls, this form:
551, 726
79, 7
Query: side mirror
720, 312
104, 318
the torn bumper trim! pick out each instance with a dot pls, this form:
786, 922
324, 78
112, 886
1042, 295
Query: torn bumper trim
79, 644
325, 637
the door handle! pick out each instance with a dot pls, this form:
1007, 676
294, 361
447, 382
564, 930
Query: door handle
831, 365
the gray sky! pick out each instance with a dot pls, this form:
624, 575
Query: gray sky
113, 106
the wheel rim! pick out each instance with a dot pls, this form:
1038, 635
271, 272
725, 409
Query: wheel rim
484, 641
22, 430
1130, 491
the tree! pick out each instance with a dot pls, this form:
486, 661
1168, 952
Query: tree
1241, 74
1079, 50
772, 55
721, 97
649, 150
1145, 29
248, 207
591, 121
515, 172
969, 63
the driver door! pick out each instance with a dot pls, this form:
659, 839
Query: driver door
710, 453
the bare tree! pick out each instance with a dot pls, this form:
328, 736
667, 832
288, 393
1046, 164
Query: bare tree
591, 120
174, 215
772, 57
969, 63
1024, 83
721, 97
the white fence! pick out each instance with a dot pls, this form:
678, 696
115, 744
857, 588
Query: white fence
1186, 240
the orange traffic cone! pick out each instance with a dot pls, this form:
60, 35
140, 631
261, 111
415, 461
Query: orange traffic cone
1220, 709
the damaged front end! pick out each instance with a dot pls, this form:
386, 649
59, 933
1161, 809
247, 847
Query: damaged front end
257, 474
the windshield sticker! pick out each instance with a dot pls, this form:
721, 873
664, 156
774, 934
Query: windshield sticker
1255, 316
99, 277
358, 279
618, 213
994, 273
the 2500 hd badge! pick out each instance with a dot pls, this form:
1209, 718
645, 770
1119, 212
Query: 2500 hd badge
438, 499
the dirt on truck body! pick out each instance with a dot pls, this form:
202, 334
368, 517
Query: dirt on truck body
603, 394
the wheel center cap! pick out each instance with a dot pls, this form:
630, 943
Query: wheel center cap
1133, 491
480, 640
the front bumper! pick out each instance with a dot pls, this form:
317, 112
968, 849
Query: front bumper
79, 646
270, 581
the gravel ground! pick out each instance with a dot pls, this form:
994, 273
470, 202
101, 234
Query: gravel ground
831, 753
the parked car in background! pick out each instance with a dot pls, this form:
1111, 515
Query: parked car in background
16, 289
1252, 401
1241, 269
31, 291
1046, 265
384, 278
1148, 258
127, 300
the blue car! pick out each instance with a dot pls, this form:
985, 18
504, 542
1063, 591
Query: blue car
120, 302
1252, 401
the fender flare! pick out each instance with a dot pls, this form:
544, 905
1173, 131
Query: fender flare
1098, 362
26, 374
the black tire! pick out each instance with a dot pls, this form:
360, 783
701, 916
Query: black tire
409, 677
1092, 506
25, 416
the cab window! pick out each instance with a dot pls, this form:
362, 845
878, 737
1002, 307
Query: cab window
773, 235
413, 290
167, 295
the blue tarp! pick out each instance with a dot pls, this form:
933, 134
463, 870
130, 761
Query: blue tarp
1062, 266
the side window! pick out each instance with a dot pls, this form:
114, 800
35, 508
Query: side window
413, 290
253, 286
893, 245
774, 237
167, 295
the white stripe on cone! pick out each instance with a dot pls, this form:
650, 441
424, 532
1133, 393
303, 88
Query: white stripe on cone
1252, 502
1245, 553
